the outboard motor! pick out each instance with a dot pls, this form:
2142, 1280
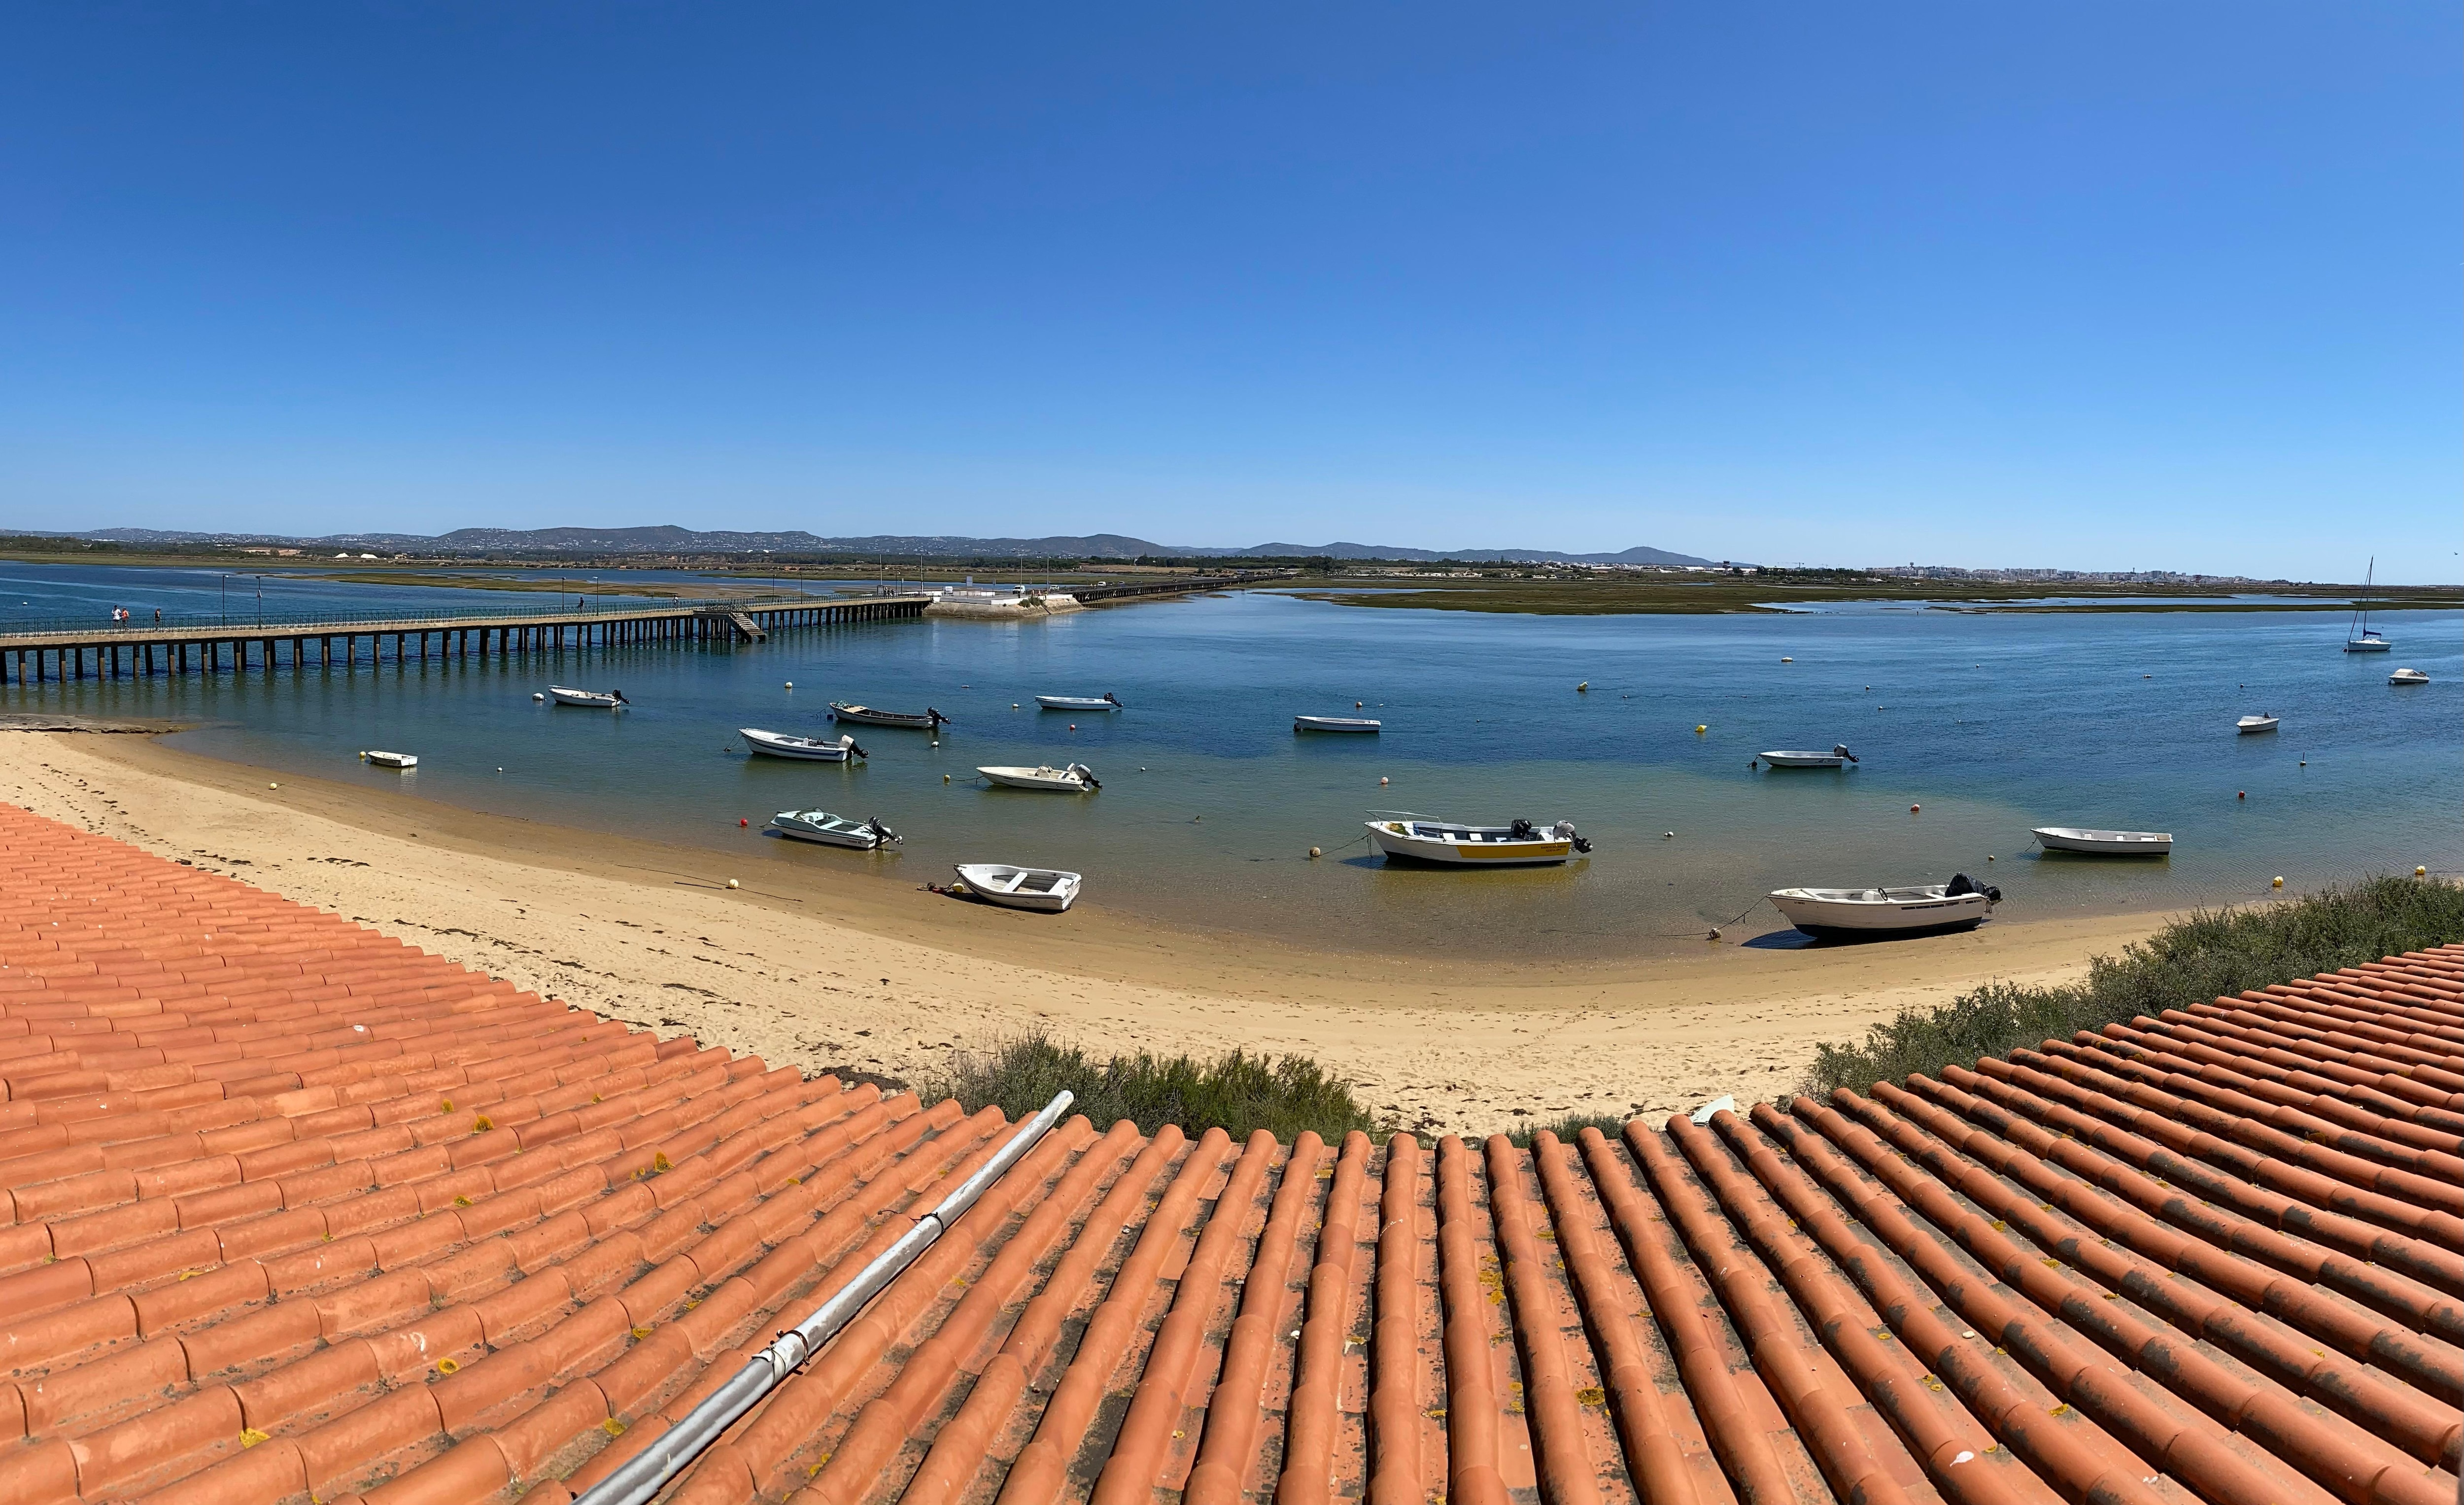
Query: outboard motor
1115, 699
1086, 773
934, 718
886, 834
1961, 883
853, 751
1565, 829
620, 697
1840, 750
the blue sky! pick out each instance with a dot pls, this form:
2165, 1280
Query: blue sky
2093, 285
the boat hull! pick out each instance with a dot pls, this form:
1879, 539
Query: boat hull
588, 699
1335, 724
1049, 781
852, 837
2365, 645
1822, 912
991, 883
2408, 677
1397, 840
392, 759
805, 749
1805, 759
867, 716
1072, 703
2255, 728
2104, 843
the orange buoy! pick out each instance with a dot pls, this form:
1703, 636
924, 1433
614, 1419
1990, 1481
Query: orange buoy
1913, 809
741, 821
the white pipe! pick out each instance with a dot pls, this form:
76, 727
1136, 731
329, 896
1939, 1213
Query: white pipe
641, 1477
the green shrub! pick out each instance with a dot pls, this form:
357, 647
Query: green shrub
1571, 1127
1237, 1092
2211, 954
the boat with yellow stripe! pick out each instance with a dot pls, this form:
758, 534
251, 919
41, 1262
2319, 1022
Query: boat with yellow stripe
1416, 839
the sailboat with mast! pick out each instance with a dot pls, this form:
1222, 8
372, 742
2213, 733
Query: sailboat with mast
2359, 637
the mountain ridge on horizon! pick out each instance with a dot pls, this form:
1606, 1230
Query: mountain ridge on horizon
668, 538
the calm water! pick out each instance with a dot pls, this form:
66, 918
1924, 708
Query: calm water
1991, 723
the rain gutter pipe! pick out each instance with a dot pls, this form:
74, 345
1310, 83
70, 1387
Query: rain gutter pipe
642, 1476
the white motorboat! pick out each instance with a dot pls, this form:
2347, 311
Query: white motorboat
835, 831
595, 700
1832, 758
2254, 723
781, 744
1045, 889
927, 721
1930, 906
1080, 702
2361, 637
1335, 724
2408, 677
1075, 779
2105, 843
1521, 843
391, 760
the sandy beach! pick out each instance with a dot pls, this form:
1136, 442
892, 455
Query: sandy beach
821, 969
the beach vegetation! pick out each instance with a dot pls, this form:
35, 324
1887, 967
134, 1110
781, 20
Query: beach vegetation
1238, 1092
2208, 955
1571, 1127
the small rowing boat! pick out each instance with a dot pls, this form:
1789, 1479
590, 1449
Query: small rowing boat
1832, 758
1519, 844
1955, 905
835, 831
594, 699
1047, 890
2104, 843
1335, 724
1080, 702
780, 744
1076, 779
928, 721
2254, 723
391, 760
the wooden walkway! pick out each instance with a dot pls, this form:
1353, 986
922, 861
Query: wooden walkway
139, 649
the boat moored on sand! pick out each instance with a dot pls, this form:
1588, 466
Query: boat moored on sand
1047, 890
1520, 844
813, 749
1956, 905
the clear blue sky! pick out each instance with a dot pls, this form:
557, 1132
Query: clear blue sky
2101, 285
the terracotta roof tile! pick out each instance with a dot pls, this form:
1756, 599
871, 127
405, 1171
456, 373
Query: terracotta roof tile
289, 1209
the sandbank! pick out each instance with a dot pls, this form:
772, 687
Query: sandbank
810, 966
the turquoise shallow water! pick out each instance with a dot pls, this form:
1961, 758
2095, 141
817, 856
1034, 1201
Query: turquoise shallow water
1993, 723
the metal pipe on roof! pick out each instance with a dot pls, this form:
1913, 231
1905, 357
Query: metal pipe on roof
647, 1472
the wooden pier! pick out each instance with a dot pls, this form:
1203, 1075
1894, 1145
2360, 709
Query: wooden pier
137, 649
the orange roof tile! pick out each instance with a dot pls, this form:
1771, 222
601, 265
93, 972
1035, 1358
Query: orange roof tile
290, 1210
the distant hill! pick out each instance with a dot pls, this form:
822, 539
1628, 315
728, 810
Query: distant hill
670, 538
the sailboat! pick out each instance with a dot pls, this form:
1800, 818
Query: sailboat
2361, 637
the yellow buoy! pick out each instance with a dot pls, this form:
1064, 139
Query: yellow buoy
732, 883
945, 778
2278, 883
1701, 728
1313, 851
2421, 872
274, 785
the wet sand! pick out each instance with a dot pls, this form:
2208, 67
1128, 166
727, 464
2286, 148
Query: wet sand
810, 964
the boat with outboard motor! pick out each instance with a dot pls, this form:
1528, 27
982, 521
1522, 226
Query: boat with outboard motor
1047, 890
1955, 905
1080, 702
1416, 839
2403, 677
2254, 723
1073, 779
928, 720
781, 744
1336, 723
2104, 843
1784, 758
835, 830
592, 699
390, 760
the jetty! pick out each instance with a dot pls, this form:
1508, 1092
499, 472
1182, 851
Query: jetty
139, 648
